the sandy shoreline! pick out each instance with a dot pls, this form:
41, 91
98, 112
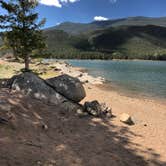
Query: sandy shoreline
108, 86
146, 138
148, 133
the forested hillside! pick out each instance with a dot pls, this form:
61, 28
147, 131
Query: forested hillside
143, 42
127, 42
129, 38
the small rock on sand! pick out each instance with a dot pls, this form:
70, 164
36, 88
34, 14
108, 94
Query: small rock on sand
127, 119
96, 109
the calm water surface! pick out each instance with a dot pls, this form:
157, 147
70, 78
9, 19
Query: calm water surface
137, 78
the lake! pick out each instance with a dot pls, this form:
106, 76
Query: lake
135, 78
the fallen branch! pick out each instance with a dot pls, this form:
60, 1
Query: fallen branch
3, 120
32, 144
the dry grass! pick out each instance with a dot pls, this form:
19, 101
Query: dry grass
9, 69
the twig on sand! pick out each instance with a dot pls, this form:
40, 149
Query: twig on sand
32, 144
3, 120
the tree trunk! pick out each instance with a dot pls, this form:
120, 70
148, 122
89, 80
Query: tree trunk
26, 61
15, 54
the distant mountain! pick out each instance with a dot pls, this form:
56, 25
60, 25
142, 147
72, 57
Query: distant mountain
77, 28
74, 28
122, 42
142, 42
127, 38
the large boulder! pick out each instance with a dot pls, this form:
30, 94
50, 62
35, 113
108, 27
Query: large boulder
30, 84
68, 86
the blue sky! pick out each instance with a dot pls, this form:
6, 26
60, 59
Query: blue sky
58, 11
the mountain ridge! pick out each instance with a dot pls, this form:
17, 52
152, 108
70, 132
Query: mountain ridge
129, 38
77, 28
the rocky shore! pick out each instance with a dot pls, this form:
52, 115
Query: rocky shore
65, 68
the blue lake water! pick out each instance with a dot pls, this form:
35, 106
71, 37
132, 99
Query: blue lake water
137, 78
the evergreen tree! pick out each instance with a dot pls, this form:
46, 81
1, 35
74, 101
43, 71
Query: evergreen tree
22, 27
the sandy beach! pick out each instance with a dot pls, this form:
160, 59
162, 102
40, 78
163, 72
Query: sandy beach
147, 136
91, 141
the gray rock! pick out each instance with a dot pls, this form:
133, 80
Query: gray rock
68, 86
107, 111
127, 119
96, 109
30, 84
81, 113
93, 108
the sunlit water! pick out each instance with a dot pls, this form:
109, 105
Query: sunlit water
136, 78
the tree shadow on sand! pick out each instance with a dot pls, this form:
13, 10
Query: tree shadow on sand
38, 134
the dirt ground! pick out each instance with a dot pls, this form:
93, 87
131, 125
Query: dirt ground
35, 134
148, 136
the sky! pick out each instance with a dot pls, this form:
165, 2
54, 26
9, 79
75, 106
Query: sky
84, 11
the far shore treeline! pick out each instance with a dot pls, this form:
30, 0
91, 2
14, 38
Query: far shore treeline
66, 41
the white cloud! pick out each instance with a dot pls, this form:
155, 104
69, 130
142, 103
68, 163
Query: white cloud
50, 3
59, 3
56, 3
113, 1
100, 18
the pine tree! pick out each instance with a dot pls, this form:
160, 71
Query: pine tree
22, 27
